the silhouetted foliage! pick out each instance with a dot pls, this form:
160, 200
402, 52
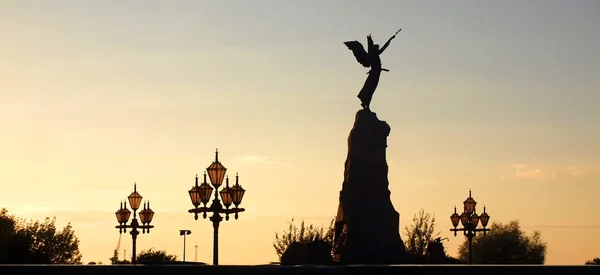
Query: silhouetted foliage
152, 256
294, 254
595, 261
51, 245
303, 234
14, 248
318, 252
7, 223
419, 234
315, 252
505, 244
304, 244
36, 242
436, 253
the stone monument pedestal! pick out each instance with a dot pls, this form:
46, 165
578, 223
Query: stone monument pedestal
367, 225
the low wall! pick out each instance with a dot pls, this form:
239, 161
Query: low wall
313, 270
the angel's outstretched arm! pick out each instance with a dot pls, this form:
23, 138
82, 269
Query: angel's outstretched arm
388, 42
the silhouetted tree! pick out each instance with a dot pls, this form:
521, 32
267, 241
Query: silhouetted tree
52, 246
294, 254
13, 248
595, 261
36, 242
315, 241
152, 256
7, 223
318, 252
506, 244
419, 234
436, 252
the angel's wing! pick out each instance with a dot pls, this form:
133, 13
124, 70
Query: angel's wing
359, 52
370, 43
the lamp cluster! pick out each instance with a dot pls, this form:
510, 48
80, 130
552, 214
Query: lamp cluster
469, 218
123, 214
201, 194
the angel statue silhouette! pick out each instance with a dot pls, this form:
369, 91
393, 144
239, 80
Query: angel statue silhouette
369, 59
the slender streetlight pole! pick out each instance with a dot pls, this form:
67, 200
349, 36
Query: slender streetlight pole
201, 194
469, 220
146, 215
184, 233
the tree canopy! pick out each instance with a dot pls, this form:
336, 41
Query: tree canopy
304, 235
36, 242
595, 261
505, 244
152, 256
419, 234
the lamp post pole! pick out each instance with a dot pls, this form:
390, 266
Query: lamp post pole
201, 194
184, 233
470, 220
146, 215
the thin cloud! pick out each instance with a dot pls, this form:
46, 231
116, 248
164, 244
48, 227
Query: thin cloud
583, 170
577, 171
526, 171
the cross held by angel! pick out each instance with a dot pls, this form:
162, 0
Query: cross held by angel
368, 59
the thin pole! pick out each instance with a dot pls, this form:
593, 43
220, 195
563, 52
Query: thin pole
470, 238
216, 220
216, 242
134, 234
134, 237
184, 246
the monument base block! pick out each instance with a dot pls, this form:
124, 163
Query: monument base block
367, 226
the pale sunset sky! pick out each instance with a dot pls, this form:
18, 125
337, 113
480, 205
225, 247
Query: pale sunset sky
498, 96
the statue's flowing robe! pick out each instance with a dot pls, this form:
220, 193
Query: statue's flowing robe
368, 89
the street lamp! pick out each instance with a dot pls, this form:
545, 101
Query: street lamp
146, 216
184, 232
469, 220
201, 194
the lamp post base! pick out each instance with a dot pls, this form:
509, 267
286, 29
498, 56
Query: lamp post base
134, 234
216, 220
